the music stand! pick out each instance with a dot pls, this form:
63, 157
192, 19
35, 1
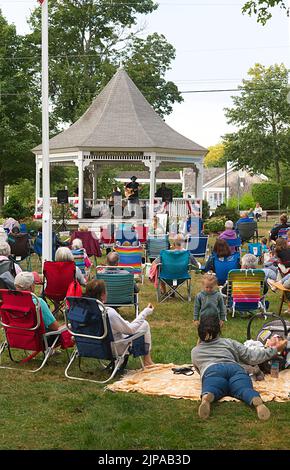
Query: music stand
62, 198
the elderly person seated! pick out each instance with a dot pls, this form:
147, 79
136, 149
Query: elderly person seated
244, 219
284, 224
251, 262
229, 234
5, 252
25, 281
63, 254
113, 260
96, 289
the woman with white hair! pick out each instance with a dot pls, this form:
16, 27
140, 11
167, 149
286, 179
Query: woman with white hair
5, 252
229, 234
63, 253
81, 258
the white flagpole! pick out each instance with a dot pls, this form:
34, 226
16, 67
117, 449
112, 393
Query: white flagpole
46, 211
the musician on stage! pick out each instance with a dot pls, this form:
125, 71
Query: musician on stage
132, 195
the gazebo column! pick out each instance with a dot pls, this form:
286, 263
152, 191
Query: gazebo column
152, 164
38, 167
199, 181
95, 177
81, 167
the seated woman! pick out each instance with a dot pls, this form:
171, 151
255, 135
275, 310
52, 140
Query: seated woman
63, 253
222, 252
282, 225
229, 234
82, 261
282, 253
258, 211
120, 327
156, 228
217, 360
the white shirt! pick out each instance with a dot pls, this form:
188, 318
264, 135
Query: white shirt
121, 327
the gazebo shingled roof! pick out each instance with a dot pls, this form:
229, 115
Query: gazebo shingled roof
120, 117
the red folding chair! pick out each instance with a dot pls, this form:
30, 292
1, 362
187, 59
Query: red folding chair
142, 233
21, 319
58, 275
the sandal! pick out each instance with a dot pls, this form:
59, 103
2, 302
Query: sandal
183, 370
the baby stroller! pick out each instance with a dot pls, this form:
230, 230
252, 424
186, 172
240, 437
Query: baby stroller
279, 327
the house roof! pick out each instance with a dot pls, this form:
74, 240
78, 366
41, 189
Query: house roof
211, 173
120, 117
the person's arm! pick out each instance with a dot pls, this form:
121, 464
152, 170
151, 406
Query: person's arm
193, 261
80, 277
222, 308
254, 356
197, 307
209, 265
120, 325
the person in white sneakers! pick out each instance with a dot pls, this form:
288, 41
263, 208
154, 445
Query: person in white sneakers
97, 290
218, 361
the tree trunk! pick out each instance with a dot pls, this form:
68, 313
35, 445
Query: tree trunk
2, 187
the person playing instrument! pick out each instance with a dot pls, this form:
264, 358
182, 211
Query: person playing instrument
132, 194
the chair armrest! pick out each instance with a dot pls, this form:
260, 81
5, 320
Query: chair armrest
129, 338
56, 332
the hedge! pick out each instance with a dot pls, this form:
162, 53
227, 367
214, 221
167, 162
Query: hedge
267, 195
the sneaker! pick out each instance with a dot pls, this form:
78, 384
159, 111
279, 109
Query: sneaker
204, 407
262, 411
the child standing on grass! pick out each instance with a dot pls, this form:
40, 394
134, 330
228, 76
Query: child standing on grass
209, 301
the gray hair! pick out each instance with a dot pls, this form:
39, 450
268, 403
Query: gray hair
63, 253
5, 249
113, 259
77, 244
229, 224
24, 280
244, 214
249, 261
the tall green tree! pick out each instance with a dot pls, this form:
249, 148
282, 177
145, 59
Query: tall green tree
261, 113
88, 39
19, 112
262, 8
215, 156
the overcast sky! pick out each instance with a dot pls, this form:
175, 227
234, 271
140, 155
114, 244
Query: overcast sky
215, 47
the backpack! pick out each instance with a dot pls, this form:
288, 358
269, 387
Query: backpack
278, 327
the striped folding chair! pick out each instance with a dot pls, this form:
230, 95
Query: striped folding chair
131, 256
245, 291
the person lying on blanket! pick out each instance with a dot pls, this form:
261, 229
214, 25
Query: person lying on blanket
120, 327
217, 360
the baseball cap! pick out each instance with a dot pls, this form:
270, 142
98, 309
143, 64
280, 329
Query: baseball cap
24, 280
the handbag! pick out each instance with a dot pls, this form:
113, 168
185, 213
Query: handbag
66, 340
74, 290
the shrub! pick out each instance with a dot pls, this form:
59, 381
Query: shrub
23, 191
247, 201
267, 195
205, 209
14, 208
233, 202
214, 225
61, 210
227, 212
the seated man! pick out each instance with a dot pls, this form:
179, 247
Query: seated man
120, 327
243, 219
113, 260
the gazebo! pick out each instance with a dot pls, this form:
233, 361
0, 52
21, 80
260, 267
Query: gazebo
121, 126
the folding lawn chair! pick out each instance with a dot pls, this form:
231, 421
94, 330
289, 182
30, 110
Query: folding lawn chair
248, 231
198, 246
174, 271
155, 244
119, 286
21, 319
223, 266
142, 233
58, 275
245, 291
107, 239
79, 258
125, 236
20, 248
256, 249
90, 243
88, 321
283, 233
131, 256
37, 246
235, 243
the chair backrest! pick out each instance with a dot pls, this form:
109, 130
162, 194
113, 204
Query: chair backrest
107, 236
90, 242
7, 265
255, 249
156, 244
233, 242
142, 233
247, 230
58, 276
283, 233
245, 287
119, 286
19, 244
79, 258
130, 256
38, 244
21, 319
224, 265
125, 235
23, 228
197, 246
174, 264
88, 320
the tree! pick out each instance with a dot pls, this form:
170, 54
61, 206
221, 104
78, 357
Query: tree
261, 8
88, 40
262, 114
215, 156
20, 118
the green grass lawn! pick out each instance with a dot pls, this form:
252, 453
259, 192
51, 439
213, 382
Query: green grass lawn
48, 411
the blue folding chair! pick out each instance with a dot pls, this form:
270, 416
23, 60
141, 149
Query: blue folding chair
222, 266
256, 249
234, 243
37, 247
155, 245
125, 236
198, 246
174, 271
88, 321
23, 228
283, 233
